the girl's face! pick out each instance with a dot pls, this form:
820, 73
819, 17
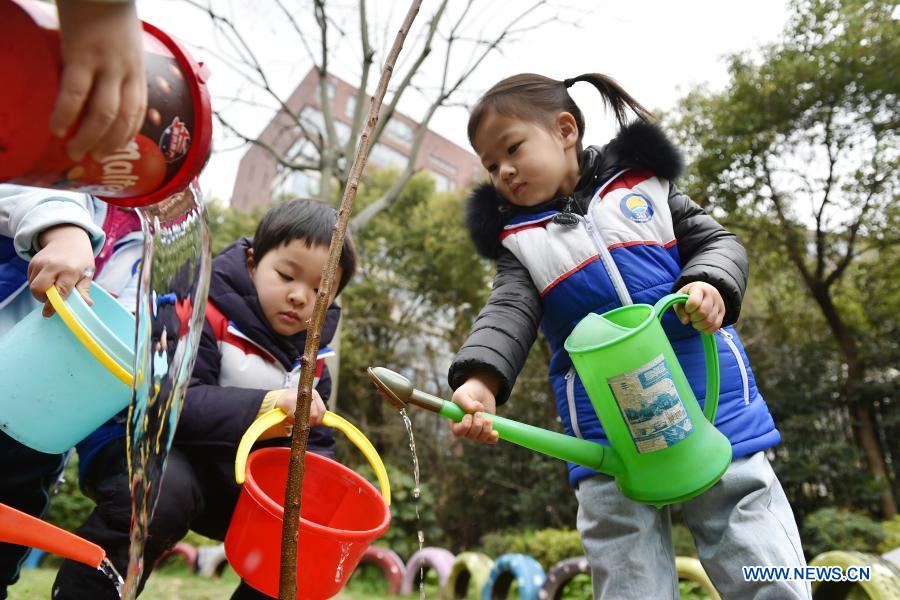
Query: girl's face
287, 280
528, 162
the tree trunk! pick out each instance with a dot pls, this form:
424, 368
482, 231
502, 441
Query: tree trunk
864, 428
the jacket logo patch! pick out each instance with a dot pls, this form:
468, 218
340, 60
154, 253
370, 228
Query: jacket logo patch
637, 208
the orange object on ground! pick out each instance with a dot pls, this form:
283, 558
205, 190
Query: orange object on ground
17, 527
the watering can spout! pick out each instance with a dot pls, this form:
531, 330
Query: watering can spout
400, 393
17, 527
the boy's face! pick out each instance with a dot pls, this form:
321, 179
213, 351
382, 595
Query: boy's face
287, 280
528, 162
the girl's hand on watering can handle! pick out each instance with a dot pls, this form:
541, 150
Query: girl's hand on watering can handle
704, 308
477, 397
66, 260
103, 76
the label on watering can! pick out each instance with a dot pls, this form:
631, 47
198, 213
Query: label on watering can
651, 406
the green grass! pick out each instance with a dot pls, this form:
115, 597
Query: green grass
172, 583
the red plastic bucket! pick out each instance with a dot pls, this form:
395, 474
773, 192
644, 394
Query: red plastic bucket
170, 150
342, 514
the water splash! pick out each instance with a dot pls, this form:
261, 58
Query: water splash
107, 568
174, 284
417, 493
345, 552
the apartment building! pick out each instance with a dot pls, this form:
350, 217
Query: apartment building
260, 177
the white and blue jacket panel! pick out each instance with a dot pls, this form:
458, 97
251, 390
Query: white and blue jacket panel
624, 251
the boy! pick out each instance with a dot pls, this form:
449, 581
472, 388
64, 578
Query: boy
261, 297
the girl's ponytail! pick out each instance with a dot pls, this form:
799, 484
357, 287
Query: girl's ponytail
539, 99
614, 96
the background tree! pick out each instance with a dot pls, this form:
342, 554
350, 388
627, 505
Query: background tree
447, 46
804, 140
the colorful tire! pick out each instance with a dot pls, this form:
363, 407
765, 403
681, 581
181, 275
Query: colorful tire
438, 559
33, 559
690, 568
519, 568
390, 564
562, 573
883, 584
186, 551
469, 573
211, 560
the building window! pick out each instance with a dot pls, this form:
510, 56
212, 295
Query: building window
399, 131
382, 156
299, 184
351, 106
442, 183
442, 164
331, 91
314, 121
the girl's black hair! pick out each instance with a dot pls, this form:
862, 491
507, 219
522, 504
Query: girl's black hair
303, 219
539, 99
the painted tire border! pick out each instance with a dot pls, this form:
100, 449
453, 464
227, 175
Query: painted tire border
885, 581
211, 560
562, 573
522, 569
690, 568
186, 551
472, 567
431, 557
390, 564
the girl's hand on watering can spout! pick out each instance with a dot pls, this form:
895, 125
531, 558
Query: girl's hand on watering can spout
477, 397
704, 308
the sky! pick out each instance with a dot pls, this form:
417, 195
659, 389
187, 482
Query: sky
657, 50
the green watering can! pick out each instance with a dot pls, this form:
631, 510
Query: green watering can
663, 448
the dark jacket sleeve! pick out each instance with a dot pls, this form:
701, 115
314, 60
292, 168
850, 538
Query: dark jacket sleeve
213, 414
504, 330
709, 253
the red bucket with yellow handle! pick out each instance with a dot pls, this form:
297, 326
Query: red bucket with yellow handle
341, 513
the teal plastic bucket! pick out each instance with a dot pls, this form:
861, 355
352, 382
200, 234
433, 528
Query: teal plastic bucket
55, 391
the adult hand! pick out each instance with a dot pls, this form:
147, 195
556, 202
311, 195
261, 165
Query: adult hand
477, 396
66, 260
103, 76
704, 308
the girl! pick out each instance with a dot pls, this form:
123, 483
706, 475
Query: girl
578, 230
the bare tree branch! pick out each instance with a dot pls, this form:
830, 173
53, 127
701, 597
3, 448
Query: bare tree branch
287, 589
299, 31
274, 153
795, 247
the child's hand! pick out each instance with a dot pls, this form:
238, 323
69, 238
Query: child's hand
704, 308
288, 403
66, 259
103, 74
476, 396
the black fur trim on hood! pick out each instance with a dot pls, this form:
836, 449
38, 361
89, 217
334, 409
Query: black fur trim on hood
486, 211
638, 145
643, 145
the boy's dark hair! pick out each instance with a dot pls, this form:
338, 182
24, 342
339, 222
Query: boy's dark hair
303, 219
539, 99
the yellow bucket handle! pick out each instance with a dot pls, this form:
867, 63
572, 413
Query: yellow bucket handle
85, 338
276, 415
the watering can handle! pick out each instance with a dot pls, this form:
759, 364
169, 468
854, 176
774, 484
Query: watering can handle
85, 338
276, 415
710, 352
